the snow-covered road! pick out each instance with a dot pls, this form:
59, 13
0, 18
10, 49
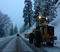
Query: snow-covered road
21, 44
4, 42
5, 38
11, 47
43, 47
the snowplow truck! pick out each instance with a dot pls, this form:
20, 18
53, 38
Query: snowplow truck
42, 33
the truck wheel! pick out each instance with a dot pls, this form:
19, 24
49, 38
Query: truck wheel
37, 40
31, 38
52, 44
48, 43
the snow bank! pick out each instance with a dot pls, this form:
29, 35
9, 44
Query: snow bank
28, 31
5, 38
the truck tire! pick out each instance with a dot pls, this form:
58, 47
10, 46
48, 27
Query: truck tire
31, 38
37, 40
48, 43
52, 44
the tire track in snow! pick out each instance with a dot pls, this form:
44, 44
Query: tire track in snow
35, 49
44, 47
4, 44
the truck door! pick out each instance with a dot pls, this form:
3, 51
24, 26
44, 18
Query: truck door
44, 30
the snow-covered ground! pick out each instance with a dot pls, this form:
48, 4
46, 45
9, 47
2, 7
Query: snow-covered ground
11, 47
28, 31
5, 38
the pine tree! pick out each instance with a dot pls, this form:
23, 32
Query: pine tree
11, 30
46, 8
2, 33
37, 8
15, 30
5, 23
27, 12
36, 13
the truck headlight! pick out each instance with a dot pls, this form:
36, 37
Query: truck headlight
46, 18
39, 17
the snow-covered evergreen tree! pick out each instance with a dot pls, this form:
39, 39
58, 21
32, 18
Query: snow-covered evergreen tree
15, 29
2, 33
11, 30
46, 8
27, 12
5, 23
22, 29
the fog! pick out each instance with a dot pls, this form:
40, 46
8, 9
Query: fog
14, 9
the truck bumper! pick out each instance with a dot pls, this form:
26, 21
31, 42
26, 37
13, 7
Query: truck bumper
49, 39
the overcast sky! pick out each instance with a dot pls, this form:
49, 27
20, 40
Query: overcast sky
14, 9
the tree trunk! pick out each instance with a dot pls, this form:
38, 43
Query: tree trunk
29, 22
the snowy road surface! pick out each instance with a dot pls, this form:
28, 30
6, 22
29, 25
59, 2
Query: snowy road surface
19, 44
42, 48
11, 47
4, 42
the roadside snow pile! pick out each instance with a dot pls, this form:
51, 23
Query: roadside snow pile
57, 33
56, 24
31, 29
5, 38
28, 31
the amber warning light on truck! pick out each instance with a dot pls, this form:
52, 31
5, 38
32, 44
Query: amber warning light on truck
39, 17
46, 18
